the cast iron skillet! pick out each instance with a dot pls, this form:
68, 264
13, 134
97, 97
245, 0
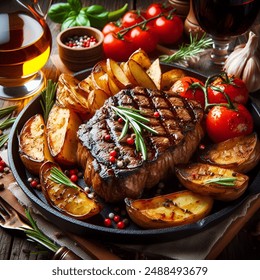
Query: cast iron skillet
132, 233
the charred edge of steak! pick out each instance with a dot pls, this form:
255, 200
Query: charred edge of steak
179, 121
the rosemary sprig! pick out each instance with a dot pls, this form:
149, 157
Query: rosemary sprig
185, 51
7, 123
7, 110
37, 235
48, 98
229, 181
137, 121
3, 139
59, 177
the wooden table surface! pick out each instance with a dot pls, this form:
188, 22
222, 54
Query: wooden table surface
240, 242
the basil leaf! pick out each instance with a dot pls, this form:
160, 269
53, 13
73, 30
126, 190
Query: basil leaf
75, 5
82, 19
59, 12
69, 22
95, 9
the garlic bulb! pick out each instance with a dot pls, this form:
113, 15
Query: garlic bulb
244, 63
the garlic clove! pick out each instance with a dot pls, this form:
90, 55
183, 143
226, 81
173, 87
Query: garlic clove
244, 63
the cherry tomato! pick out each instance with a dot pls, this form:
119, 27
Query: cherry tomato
235, 88
143, 38
131, 18
223, 123
117, 48
156, 9
111, 27
169, 29
182, 87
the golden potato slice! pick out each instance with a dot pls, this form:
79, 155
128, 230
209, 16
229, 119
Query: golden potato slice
99, 77
69, 94
97, 98
128, 73
170, 77
140, 75
219, 183
240, 153
155, 73
116, 73
62, 127
142, 58
33, 147
71, 201
179, 208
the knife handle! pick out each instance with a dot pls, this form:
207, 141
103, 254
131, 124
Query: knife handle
65, 254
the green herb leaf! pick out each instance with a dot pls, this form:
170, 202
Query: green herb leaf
48, 98
75, 5
69, 22
7, 111
7, 123
195, 47
133, 117
59, 12
3, 139
37, 235
59, 177
229, 181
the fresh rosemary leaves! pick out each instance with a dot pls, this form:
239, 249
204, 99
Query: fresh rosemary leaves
229, 181
35, 234
59, 177
48, 98
133, 118
195, 47
6, 123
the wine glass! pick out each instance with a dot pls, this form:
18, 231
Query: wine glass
223, 21
25, 46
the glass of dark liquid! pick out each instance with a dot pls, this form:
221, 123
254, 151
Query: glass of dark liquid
25, 46
223, 20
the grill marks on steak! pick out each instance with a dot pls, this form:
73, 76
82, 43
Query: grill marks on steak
179, 132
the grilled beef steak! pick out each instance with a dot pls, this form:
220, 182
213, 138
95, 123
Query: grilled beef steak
178, 123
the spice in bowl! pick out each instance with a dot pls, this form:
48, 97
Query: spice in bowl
80, 47
83, 41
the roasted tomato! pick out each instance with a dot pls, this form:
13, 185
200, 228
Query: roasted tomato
223, 122
234, 87
143, 38
184, 89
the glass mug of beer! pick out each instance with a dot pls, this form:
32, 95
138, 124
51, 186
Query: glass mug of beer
25, 46
223, 20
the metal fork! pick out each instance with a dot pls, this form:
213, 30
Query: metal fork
9, 218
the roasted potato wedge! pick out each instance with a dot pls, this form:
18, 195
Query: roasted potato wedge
71, 201
128, 73
240, 153
62, 127
155, 73
97, 97
33, 147
141, 57
116, 73
209, 180
140, 75
69, 94
100, 78
170, 77
175, 209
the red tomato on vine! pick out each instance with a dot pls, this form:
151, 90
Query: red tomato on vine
143, 38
